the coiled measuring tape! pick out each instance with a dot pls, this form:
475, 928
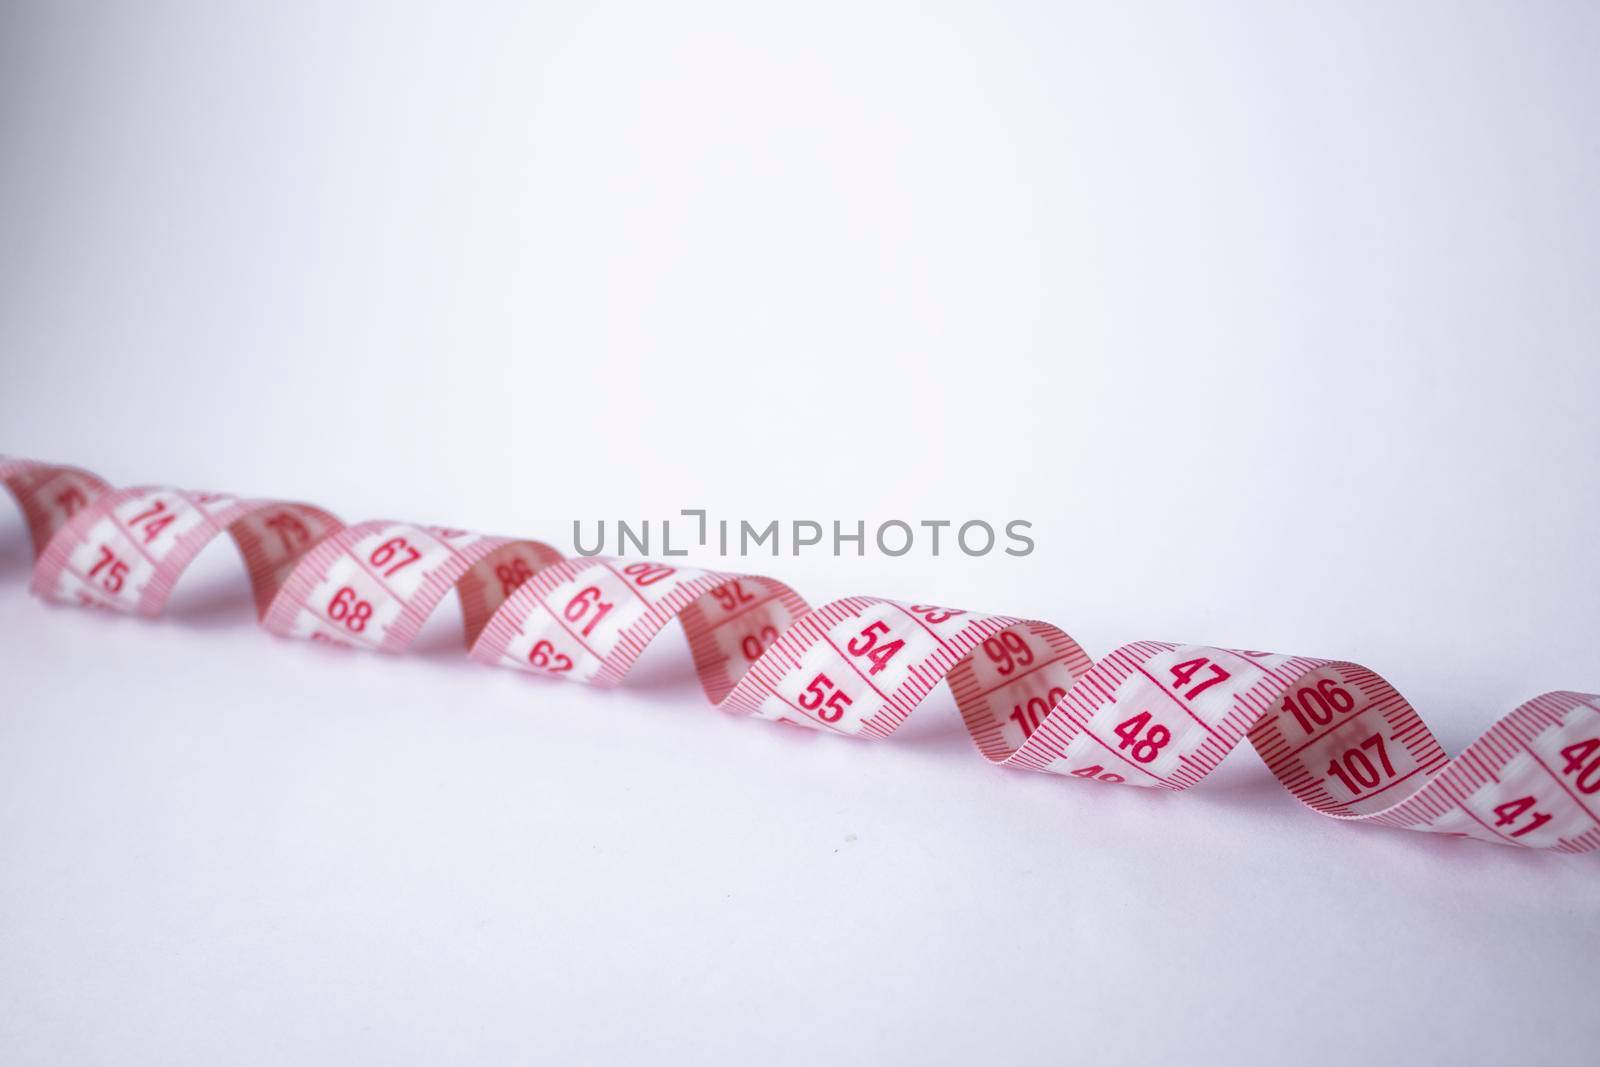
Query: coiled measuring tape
1152, 713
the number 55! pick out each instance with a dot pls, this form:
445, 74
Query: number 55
828, 706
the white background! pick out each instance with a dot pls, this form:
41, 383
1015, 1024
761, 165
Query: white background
1279, 325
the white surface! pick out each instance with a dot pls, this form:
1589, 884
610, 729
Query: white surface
1278, 325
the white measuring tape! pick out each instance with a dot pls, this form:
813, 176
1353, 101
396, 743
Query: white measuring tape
1337, 736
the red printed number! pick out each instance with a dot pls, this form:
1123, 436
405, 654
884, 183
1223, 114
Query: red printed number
290, 529
1312, 708
396, 550
1008, 651
70, 499
1355, 769
754, 644
346, 608
934, 616
1183, 673
579, 607
512, 574
1145, 743
115, 570
829, 706
648, 573
1508, 813
730, 595
544, 656
154, 518
1583, 760
1029, 715
866, 644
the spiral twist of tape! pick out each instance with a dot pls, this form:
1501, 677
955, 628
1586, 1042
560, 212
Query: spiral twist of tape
1152, 713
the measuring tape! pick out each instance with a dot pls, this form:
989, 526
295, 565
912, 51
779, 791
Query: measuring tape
1152, 713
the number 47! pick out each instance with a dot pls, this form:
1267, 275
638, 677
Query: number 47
1183, 673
